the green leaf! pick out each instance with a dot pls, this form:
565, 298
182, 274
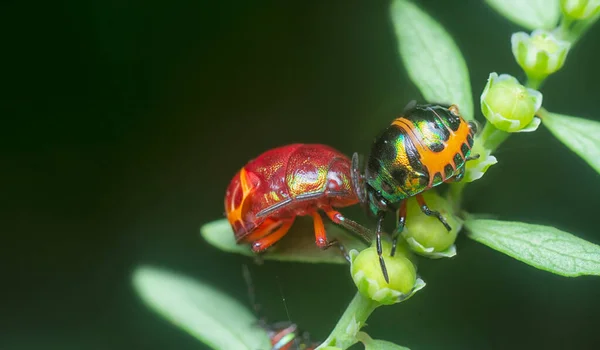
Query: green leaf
531, 14
297, 245
543, 247
582, 136
207, 314
372, 344
432, 59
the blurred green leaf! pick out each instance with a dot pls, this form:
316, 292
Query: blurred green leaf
207, 314
297, 245
543, 247
373, 344
531, 14
432, 59
582, 136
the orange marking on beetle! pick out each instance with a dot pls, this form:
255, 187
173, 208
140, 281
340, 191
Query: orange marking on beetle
436, 161
236, 213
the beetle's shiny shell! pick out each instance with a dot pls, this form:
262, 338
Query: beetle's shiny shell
287, 181
419, 150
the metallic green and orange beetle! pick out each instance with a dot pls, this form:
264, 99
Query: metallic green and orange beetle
424, 147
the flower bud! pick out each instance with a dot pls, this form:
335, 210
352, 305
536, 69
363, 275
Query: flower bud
508, 105
367, 275
425, 234
539, 54
579, 9
403, 248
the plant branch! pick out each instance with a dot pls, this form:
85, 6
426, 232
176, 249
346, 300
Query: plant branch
354, 318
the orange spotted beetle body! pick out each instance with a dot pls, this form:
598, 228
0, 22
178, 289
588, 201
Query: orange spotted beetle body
421, 149
424, 147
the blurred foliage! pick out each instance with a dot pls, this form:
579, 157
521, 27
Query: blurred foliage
124, 122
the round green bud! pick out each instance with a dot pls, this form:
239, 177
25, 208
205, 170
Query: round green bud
404, 249
508, 105
369, 279
539, 54
579, 9
425, 234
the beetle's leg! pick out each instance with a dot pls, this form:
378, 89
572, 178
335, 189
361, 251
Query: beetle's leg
353, 226
425, 209
340, 246
380, 217
269, 239
472, 157
399, 226
266, 227
321, 236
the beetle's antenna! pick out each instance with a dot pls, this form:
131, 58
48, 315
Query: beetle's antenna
287, 311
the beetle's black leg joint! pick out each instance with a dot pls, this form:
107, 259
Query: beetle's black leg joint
399, 227
380, 217
472, 157
340, 246
425, 209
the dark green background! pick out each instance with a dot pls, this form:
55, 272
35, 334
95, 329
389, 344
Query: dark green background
123, 122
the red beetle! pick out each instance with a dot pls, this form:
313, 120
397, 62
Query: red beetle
267, 194
284, 335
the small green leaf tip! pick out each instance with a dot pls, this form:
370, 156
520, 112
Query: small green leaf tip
431, 57
367, 275
508, 105
544, 247
578, 134
374, 344
579, 9
426, 235
539, 54
531, 14
211, 316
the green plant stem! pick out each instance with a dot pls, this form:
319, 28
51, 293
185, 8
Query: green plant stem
534, 83
455, 195
563, 29
580, 28
491, 137
488, 141
343, 335
542, 112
